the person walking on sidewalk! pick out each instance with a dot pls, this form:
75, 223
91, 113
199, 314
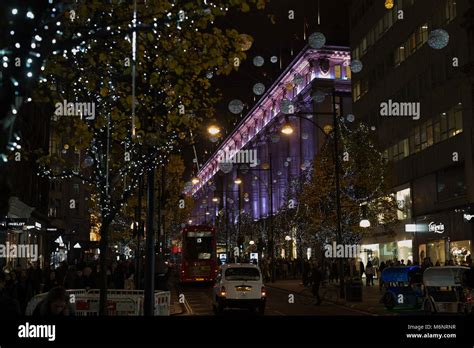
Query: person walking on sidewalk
381, 268
369, 273
316, 278
306, 273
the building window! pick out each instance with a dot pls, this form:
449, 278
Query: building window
403, 204
411, 45
380, 28
451, 183
356, 91
76, 189
450, 10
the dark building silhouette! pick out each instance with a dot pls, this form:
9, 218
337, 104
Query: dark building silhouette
432, 155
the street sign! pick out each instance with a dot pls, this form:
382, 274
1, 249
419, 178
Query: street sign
13, 223
468, 218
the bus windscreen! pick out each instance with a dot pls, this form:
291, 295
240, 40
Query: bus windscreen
199, 246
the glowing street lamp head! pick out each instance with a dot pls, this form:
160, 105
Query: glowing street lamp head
238, 181
389, 4
215, 199
364, 223
213, 130
195, 180
287, 129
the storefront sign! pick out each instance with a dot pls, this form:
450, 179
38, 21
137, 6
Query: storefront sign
436, 228
431, 227
13, 223
468, 218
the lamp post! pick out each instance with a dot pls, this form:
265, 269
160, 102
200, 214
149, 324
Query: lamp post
288, 130
238, 182
226, 216
271, 248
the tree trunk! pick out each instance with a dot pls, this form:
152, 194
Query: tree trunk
103, 246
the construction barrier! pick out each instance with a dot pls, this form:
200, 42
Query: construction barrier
40, 297
119, 302
162, 303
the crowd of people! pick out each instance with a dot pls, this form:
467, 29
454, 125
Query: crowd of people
18, 285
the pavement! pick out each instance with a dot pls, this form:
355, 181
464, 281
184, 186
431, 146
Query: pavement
370, 303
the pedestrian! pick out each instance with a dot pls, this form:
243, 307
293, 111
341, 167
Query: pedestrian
9, 307
381, 268
361, 268
130, 282
70, 279
50, 282
306, 273
316, 279
369, 273
56, 304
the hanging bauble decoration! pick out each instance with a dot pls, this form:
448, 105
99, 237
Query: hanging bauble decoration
318, 96
258, 61
438, 39
298, 79
236, 106
356, 66
258, 88
286, 106
317, 40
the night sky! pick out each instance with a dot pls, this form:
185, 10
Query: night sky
274, 34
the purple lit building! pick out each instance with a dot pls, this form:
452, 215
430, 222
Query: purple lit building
321, 75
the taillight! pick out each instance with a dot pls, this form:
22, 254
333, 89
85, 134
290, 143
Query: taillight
469, 296
264, 291
223, 292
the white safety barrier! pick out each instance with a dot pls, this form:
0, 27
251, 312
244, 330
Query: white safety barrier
119, 302
40, 297
162, 303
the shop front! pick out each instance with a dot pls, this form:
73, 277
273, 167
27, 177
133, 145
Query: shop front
443, 239
387, 247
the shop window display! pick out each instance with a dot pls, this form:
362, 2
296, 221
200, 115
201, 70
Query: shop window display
460, 252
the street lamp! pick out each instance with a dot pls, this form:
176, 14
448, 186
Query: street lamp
213, 130
238, 181
287, 129
195, 180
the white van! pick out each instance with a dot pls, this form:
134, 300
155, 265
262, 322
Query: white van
239, 285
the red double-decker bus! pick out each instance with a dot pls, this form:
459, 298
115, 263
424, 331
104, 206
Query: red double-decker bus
199, 260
